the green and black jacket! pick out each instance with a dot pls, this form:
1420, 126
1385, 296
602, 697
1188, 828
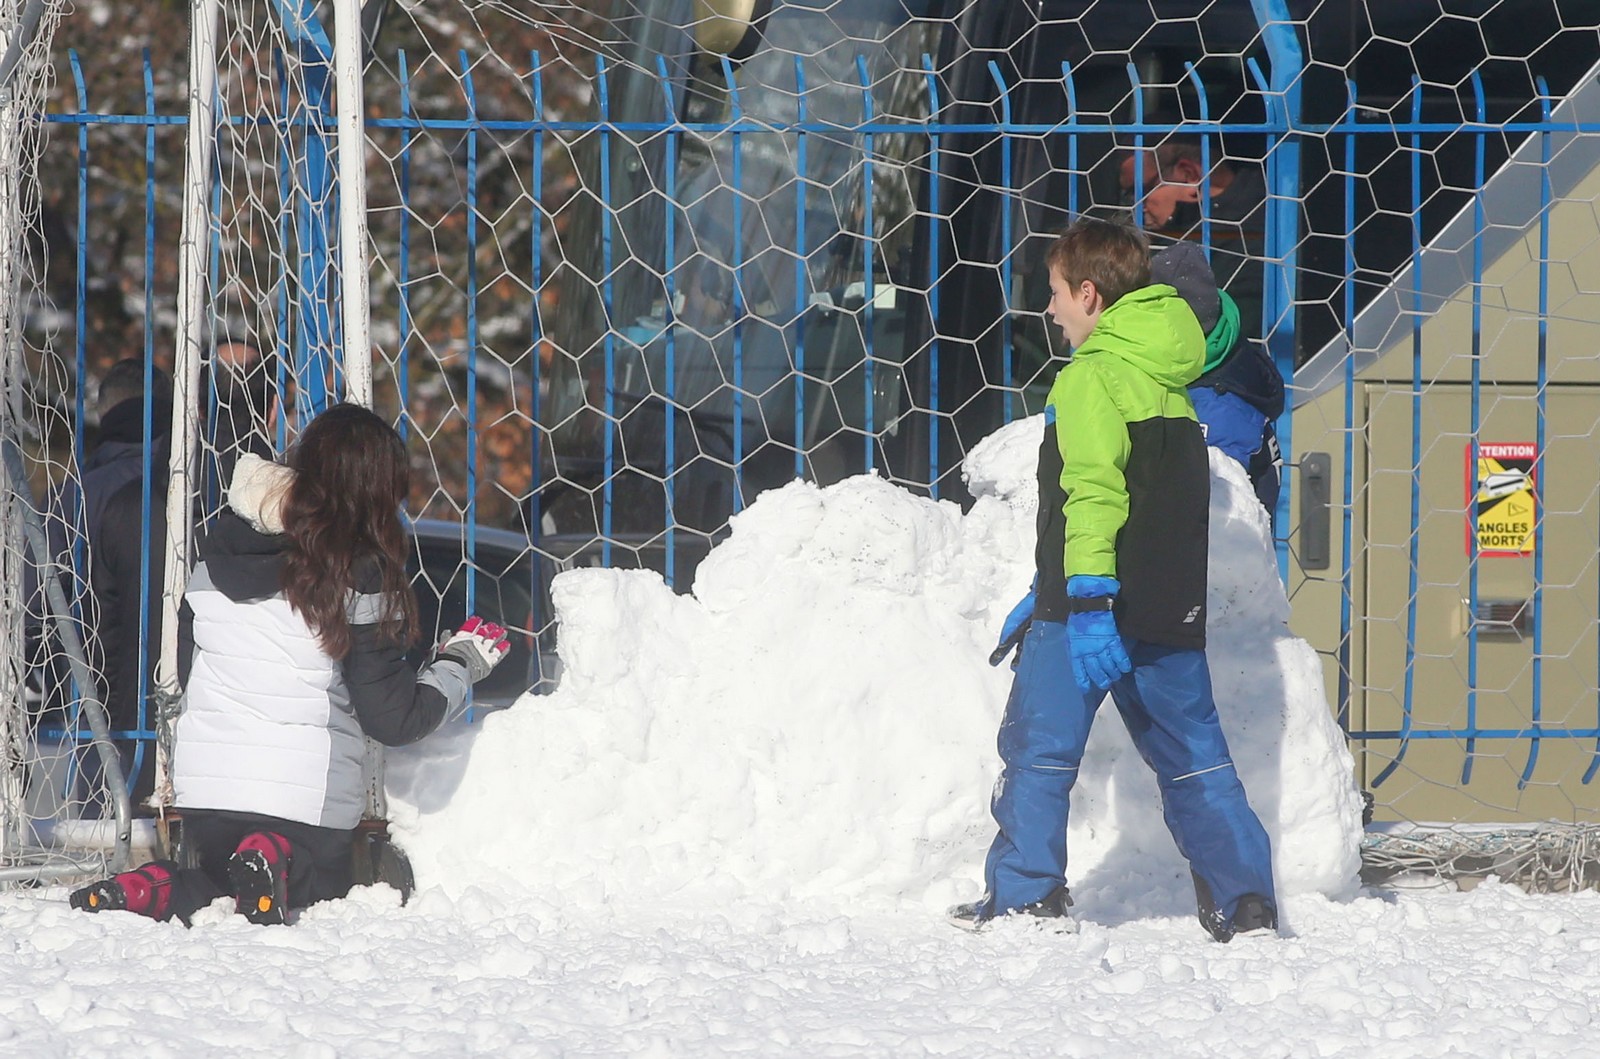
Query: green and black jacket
1124, 481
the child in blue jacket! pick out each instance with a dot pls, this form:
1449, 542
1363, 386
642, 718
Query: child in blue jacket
1119, 600
1239, 394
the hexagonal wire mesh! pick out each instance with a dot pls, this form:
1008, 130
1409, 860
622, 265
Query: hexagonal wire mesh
634, 265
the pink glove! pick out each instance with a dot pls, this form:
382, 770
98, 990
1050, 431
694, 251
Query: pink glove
478, 645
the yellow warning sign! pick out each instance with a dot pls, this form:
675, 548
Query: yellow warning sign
1502, 506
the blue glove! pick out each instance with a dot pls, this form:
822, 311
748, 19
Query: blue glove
1098, 656
1016, 625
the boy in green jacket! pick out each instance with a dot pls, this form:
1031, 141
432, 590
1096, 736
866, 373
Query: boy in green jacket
1119, 598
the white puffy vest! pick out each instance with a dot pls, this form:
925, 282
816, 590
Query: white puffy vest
266, 725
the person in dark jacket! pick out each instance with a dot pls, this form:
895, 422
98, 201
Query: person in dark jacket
125, 582
296, 623
1175, 179
1119, 599
84, 524
1239, 394
118, 456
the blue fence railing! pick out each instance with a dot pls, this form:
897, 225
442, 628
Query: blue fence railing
1084, 141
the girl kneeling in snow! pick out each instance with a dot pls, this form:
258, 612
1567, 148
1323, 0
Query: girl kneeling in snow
294, 630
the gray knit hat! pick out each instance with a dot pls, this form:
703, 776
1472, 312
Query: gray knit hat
1183, 265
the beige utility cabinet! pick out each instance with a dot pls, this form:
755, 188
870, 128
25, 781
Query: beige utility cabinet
1388, 368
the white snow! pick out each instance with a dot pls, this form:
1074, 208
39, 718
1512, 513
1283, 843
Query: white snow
734, 826
818, 719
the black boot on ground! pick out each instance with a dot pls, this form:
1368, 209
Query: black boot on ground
1051, 912
258, 873
105, 895
970, 916
1254, 913
145, 890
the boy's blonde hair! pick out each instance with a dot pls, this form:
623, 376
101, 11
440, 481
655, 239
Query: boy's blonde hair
1114, 257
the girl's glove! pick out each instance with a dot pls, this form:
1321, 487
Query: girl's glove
478, 645
1099, 658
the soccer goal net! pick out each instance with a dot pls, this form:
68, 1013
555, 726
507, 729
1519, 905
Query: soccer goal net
57, 815
615, 268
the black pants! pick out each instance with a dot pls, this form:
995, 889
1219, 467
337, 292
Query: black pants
319, 859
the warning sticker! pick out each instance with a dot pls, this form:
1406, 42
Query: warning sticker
1503, 485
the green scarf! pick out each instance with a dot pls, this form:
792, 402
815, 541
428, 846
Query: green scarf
1221, 340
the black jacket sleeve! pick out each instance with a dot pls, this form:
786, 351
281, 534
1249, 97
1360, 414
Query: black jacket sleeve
394, 702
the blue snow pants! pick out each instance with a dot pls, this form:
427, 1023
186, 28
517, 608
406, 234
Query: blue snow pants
1167, 706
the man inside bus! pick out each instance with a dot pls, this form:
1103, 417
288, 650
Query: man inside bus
1174, 179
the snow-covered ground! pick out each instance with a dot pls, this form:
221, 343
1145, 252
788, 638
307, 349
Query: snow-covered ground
732, 830
1488, 973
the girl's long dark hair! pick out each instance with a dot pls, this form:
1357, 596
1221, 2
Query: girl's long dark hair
351, 476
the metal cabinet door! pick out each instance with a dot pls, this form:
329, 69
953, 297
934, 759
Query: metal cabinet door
1445, 688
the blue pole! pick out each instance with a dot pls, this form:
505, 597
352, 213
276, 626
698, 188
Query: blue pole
935, 234
315, 338
285, 195
1007, 354
76, 513
536, 616
146, 455
1414, 539
1283, 221
536, 327
607, 295
1205, 155
739, 307
1347, 526
1072, 140
800, 274
80, 289
868, 372
1136, 95
669, 268
472, 332
403, 367
1540, 419
1476, 427
213, 488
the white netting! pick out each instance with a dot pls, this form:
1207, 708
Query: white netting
51, 773
634, 262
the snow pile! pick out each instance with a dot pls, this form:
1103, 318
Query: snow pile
817, 720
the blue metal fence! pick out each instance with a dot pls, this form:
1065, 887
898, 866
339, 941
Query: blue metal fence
306, 317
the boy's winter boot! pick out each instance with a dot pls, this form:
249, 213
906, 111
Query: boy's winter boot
1051, 912
258, 872
970, 916
145, 890
1254, 912
1251, 912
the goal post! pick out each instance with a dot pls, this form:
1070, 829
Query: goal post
350, 64
193, 310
